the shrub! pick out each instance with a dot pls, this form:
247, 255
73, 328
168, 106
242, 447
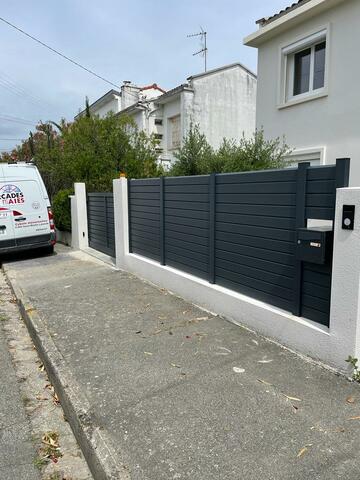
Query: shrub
62, 209
197, 157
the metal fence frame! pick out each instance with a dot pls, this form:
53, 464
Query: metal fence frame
153, 201
101, 228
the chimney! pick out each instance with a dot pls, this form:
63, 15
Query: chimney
129, 94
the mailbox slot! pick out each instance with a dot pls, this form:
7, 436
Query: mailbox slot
314, 245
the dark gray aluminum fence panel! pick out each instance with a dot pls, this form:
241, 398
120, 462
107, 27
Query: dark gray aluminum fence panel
144, 217
255, 234
239, 230
186, 235
101, 229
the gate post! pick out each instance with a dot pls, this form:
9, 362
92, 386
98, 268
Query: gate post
300, 223
212, 213
345, 292
121, 218
79, 220
162, 220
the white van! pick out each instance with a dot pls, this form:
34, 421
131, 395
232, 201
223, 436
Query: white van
26, 219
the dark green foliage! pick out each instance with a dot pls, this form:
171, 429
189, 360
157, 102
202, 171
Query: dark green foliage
91, 149
62, 209
196, 157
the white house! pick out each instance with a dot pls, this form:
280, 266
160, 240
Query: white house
114, 101
308, 80
221, 101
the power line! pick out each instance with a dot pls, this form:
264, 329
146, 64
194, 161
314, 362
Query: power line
58, 53
17, 89
17, 120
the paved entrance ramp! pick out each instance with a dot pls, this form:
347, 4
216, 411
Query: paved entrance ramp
183, 394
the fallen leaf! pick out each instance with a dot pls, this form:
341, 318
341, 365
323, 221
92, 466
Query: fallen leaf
264, 382
294, 399
202, 318
303, 451
350, 399
255, 341
355, 418
226, 349
238, 370
148, 353
265, 361
174, 365
340, 430
139, 331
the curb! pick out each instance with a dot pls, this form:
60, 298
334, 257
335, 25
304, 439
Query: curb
93, 441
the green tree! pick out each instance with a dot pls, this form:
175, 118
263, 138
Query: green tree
194, 155
92, 150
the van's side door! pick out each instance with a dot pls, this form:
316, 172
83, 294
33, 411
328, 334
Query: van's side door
30, 214
7, 231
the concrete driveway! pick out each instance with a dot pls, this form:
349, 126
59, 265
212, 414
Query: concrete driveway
183, 394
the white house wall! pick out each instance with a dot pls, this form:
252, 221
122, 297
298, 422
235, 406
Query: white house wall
110, 106
333, 121
224, 104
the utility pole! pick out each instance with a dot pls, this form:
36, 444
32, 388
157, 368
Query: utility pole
204, 49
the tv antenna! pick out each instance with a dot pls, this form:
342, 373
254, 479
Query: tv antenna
204, 49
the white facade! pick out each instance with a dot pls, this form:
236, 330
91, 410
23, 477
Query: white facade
221, 101
110, 102
323, 123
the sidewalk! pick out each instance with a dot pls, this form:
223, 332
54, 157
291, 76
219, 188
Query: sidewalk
17, 450
183, 394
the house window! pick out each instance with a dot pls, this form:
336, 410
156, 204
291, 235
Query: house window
174, 132
158, 121
158, 136
315, 156
304, 66
309, 64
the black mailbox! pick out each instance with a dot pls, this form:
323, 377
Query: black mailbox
314, 245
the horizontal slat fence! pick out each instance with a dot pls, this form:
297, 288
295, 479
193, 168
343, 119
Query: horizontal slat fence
239, 230
101, 228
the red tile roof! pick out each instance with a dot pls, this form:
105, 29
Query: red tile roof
154, 86
264, 21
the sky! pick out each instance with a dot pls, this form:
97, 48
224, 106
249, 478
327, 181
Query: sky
143, 41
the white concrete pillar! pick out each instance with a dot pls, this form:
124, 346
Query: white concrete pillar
120, 191
79, 223
345, 299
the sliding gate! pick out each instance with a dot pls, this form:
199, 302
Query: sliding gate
101, 230
242, 230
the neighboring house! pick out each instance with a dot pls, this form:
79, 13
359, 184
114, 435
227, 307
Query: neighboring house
308, 80
115, 101
221, 101
110, 102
